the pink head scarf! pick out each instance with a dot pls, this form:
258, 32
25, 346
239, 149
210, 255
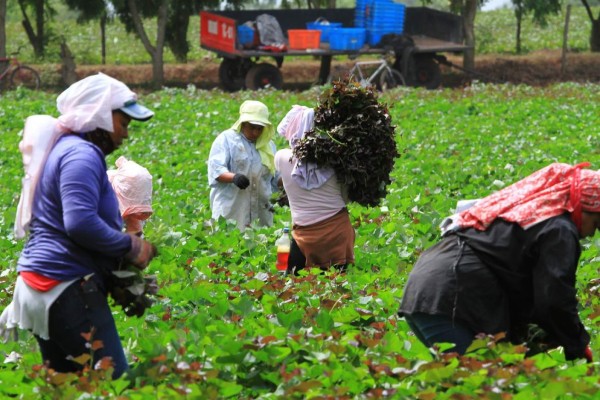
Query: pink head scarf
549, 192
133, 186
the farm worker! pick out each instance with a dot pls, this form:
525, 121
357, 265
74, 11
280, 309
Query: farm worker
75, 229
508, 263
132, 184
241, 172
322, 234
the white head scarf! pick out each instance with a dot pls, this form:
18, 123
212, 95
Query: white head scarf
84, 106
293, 127
88, 104
296, 123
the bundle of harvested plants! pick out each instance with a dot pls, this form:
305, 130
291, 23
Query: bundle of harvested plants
354, 135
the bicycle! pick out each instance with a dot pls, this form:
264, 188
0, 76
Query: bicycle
387, 77
18, 75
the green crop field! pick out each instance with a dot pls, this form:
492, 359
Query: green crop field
227, 325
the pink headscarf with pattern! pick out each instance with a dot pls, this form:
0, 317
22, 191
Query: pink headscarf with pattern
549, 192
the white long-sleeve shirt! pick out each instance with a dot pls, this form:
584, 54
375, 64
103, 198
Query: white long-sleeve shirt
309, 206
232, 152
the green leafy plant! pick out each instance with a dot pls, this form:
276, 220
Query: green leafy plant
226, 324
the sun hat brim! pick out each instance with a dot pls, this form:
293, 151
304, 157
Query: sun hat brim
137, 111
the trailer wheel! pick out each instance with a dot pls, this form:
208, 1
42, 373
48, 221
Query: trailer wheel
232, 73
426, 73
262, 76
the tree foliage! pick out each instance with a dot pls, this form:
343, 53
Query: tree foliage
87, 9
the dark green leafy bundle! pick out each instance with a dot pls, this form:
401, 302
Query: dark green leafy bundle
354, 135
132, 290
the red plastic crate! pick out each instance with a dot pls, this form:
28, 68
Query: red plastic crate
301, 39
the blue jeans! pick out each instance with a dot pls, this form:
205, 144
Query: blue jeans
81, 308
431, 329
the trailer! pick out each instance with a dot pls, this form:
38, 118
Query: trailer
431, 32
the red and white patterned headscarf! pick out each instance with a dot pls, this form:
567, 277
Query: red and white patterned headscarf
549, 192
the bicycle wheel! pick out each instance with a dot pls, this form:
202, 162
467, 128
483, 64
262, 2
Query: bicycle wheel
24, 76
390, 78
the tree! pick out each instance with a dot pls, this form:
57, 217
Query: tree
468, 10
90, 10
595, 34
177, 20
37, 37
540, 10
132, 13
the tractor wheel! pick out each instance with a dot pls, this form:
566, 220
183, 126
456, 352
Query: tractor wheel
262, 76
425, 72
232, 73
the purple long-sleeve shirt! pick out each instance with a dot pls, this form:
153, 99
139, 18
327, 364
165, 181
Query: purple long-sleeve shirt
76, 227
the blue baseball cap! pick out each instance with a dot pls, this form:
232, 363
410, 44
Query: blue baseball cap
136, 111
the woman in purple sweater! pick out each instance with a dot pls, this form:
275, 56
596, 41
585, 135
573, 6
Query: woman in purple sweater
71, 214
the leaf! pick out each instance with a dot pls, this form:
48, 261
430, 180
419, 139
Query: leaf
324, 321
97, 345
230, 389
81, 359
291, 320
303, 387
123, 274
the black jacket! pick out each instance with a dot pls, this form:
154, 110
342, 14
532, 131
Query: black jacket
503, 278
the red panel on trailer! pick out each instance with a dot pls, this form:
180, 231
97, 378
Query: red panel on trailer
217, 32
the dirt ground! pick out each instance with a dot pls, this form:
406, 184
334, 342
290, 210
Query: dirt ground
536, 69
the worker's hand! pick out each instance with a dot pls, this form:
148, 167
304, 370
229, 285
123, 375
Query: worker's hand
141, 253
241, 181
587, 354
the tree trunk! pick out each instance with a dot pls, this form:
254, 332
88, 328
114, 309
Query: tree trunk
67, 69
469, 10
2, 28
519, 15
103, 37
595, 35
565, 47
156, 53
39, 24
157, 61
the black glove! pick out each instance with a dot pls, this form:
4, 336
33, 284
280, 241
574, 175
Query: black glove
282, 200
241, 181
